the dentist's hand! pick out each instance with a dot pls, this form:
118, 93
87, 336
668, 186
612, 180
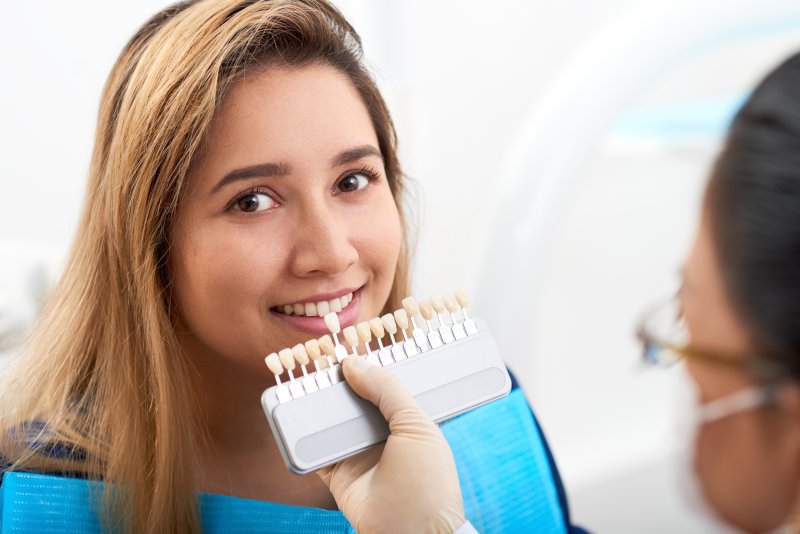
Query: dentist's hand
409, 484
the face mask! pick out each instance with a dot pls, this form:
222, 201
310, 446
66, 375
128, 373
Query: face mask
690, 418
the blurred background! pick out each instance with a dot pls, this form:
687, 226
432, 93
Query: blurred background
559, 152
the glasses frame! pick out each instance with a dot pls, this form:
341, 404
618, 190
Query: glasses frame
758, 367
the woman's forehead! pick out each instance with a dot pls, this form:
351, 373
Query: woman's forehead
294, 117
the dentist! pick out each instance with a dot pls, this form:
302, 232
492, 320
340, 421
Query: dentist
734, 326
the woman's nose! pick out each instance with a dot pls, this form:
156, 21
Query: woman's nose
323, 244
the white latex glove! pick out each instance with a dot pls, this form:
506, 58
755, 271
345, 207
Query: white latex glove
409, 483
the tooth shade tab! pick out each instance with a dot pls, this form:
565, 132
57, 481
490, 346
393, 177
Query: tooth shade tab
300, 354
323, 308
312, 349
401, 318
437, 304
376, 325
287, 359
326, 345
410, 306
273, 362
450, 303
351, 336
462, 299
364, 333
332, 322
389, 324
426, 310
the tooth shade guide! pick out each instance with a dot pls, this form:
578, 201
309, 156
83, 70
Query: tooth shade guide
300, 354
411, 306
376, 325
391, 350
364, 332
312, 349
274, 364
426, 310
409, 347
450, 303
276, 368
327, 347
401, 319
447, 382
287, 359
309, 383
320, 363
351, 338
469, 325
332, 322
389, 325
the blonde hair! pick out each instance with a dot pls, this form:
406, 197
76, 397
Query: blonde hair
104, 370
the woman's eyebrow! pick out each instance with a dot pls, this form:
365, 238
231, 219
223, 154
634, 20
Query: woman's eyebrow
265, 170
262, 169
355, 154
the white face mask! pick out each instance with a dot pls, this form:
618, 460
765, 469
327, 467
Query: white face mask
690, 418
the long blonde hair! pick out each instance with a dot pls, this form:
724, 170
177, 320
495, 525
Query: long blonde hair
104, 371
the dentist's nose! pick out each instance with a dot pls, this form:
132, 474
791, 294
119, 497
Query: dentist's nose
323, 244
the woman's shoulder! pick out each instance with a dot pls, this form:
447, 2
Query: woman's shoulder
32, 447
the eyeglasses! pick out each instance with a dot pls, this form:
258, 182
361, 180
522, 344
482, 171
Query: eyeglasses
665, 341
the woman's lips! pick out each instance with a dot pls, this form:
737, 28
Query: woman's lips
316, 325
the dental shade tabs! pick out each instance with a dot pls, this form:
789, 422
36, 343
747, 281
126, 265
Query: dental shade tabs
446, 360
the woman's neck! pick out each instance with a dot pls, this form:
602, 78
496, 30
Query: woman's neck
238, 455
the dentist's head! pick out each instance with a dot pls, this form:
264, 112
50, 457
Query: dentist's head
736, 319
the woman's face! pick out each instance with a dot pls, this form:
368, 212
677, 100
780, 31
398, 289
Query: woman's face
748, 463
287, 206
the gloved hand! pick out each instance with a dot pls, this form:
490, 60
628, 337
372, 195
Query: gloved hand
409, 483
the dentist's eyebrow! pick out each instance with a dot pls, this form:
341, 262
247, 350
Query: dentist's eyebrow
263, 170
355, 154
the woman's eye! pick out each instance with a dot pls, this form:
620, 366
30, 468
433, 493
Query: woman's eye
255, 202
353, 182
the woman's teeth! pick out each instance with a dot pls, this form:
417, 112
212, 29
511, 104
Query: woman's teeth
317, 309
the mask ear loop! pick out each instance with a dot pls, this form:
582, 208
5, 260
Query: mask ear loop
740, 401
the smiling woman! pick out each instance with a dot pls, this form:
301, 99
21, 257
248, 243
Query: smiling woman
244, 181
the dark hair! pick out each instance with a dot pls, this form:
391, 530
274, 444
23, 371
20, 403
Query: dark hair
754, 202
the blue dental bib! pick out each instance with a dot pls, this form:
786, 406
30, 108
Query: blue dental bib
503, 465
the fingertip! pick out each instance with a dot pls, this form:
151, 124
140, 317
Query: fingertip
357, 364
356, 369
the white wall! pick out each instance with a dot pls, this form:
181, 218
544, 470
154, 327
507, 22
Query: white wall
459, 76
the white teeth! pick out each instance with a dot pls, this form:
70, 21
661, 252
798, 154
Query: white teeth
317, 309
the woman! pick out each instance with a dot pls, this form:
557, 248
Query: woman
245, 164
735, 322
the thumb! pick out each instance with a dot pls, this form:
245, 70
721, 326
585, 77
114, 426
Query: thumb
384, 390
